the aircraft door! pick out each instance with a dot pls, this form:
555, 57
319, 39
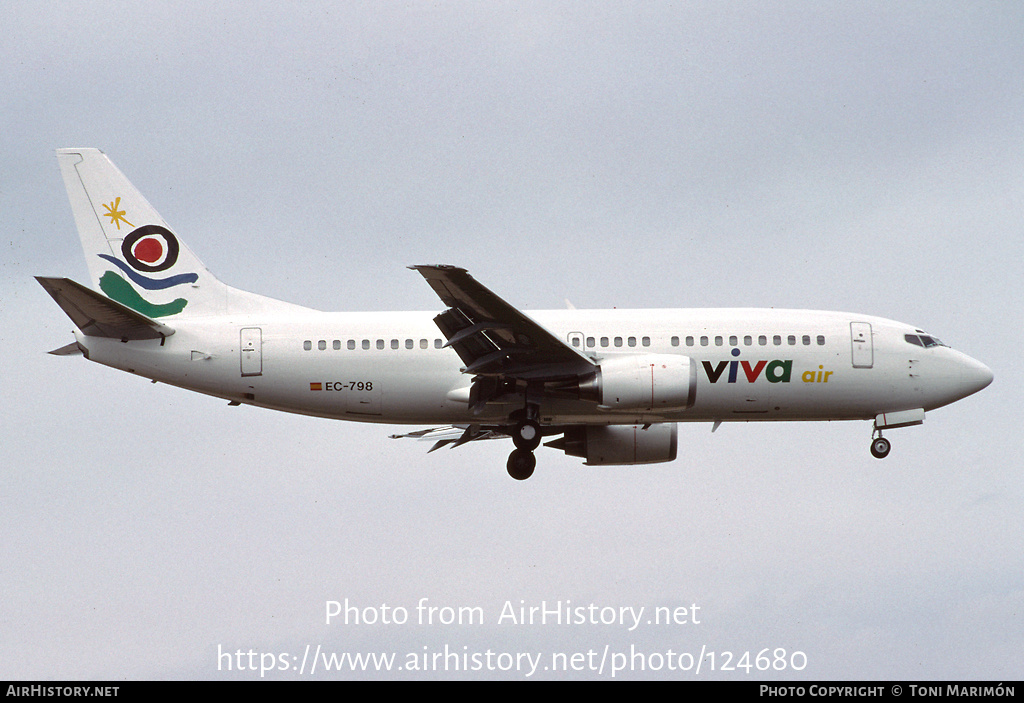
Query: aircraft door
251, 351
863, 346
575, 340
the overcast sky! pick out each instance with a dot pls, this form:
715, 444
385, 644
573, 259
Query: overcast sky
837, 155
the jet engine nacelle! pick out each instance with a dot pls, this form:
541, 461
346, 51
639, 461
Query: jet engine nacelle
603, 445
649, 382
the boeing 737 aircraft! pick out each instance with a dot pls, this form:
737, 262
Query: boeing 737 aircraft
605, 385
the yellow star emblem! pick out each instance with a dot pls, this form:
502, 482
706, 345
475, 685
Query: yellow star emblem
116, 216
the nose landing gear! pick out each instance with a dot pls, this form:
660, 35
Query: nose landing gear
880, 446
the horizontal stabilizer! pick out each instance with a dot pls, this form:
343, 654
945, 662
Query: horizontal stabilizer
99, 316
68, 350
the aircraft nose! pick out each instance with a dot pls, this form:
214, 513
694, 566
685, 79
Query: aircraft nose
974, 376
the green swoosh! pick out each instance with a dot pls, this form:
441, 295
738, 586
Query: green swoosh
120, 290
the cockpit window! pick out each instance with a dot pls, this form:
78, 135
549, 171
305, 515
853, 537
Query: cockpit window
923, 340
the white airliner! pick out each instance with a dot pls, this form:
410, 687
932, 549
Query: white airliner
605, 385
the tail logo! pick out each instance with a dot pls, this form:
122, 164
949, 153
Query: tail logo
116, 216
148, 249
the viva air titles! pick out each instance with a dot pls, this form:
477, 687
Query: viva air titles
777, 371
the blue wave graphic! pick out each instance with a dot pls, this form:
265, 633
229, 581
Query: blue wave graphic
151, 283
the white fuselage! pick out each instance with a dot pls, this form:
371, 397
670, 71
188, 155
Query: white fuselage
611, 383
393, 367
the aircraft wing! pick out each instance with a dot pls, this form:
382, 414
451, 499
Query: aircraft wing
99, 316
495, 339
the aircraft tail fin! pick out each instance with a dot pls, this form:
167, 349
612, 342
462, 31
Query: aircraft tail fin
132, 254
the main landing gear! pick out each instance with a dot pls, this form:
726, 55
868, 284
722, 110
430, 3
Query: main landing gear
521, 464
526, 435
